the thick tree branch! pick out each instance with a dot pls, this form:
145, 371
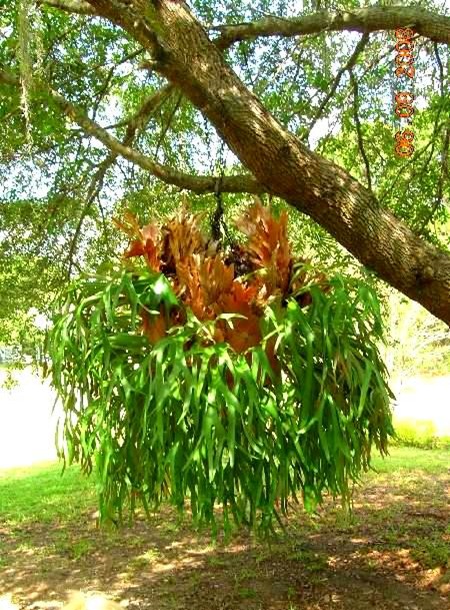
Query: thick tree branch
365, 20
278, 160
196, 184
71, 6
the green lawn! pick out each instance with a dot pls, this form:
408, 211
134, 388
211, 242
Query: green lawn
393, 546
43, 493
436, 461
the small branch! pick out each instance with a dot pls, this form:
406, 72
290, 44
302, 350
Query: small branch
94, 190
103, 90
436, 130
443, 179
348, 66
389, 187
135, 125
441, 70
359, 130
168, 124
139, 120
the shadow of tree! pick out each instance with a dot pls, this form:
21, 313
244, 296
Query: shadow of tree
390, 552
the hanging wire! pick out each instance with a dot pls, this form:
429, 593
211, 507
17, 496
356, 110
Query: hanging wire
217, 216
219, 228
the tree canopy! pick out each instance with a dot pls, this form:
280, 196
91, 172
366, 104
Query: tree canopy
107, 105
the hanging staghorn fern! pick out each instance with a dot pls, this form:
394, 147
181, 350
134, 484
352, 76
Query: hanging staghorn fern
183, 380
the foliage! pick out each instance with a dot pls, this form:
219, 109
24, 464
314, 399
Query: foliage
418, 343
20, 334
182, 379
30, 272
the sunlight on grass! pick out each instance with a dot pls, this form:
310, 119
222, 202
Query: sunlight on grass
41, 493
409, 458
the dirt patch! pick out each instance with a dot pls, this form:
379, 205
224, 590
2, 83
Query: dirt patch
391, 552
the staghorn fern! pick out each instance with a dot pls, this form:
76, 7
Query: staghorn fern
185, 416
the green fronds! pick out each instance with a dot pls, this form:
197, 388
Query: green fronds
188, 418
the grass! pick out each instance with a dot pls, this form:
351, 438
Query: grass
41, 493
44, 493
399, 527
434, 461
420, 433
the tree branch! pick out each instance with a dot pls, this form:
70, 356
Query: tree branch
166, 127
279, 161
196, 184
365, 20
138, 121
348, 66
361, 147
182, 52
443, 179
95, 187
105, 86
79, 7
135, 125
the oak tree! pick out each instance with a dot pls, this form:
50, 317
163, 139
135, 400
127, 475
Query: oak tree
131, 99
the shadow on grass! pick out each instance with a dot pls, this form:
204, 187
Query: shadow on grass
391, 552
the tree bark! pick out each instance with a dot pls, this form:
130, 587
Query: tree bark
183, 53
364, 20
79, 7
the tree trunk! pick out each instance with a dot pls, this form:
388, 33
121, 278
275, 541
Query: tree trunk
184, 54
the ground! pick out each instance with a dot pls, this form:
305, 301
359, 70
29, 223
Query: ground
391, 552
